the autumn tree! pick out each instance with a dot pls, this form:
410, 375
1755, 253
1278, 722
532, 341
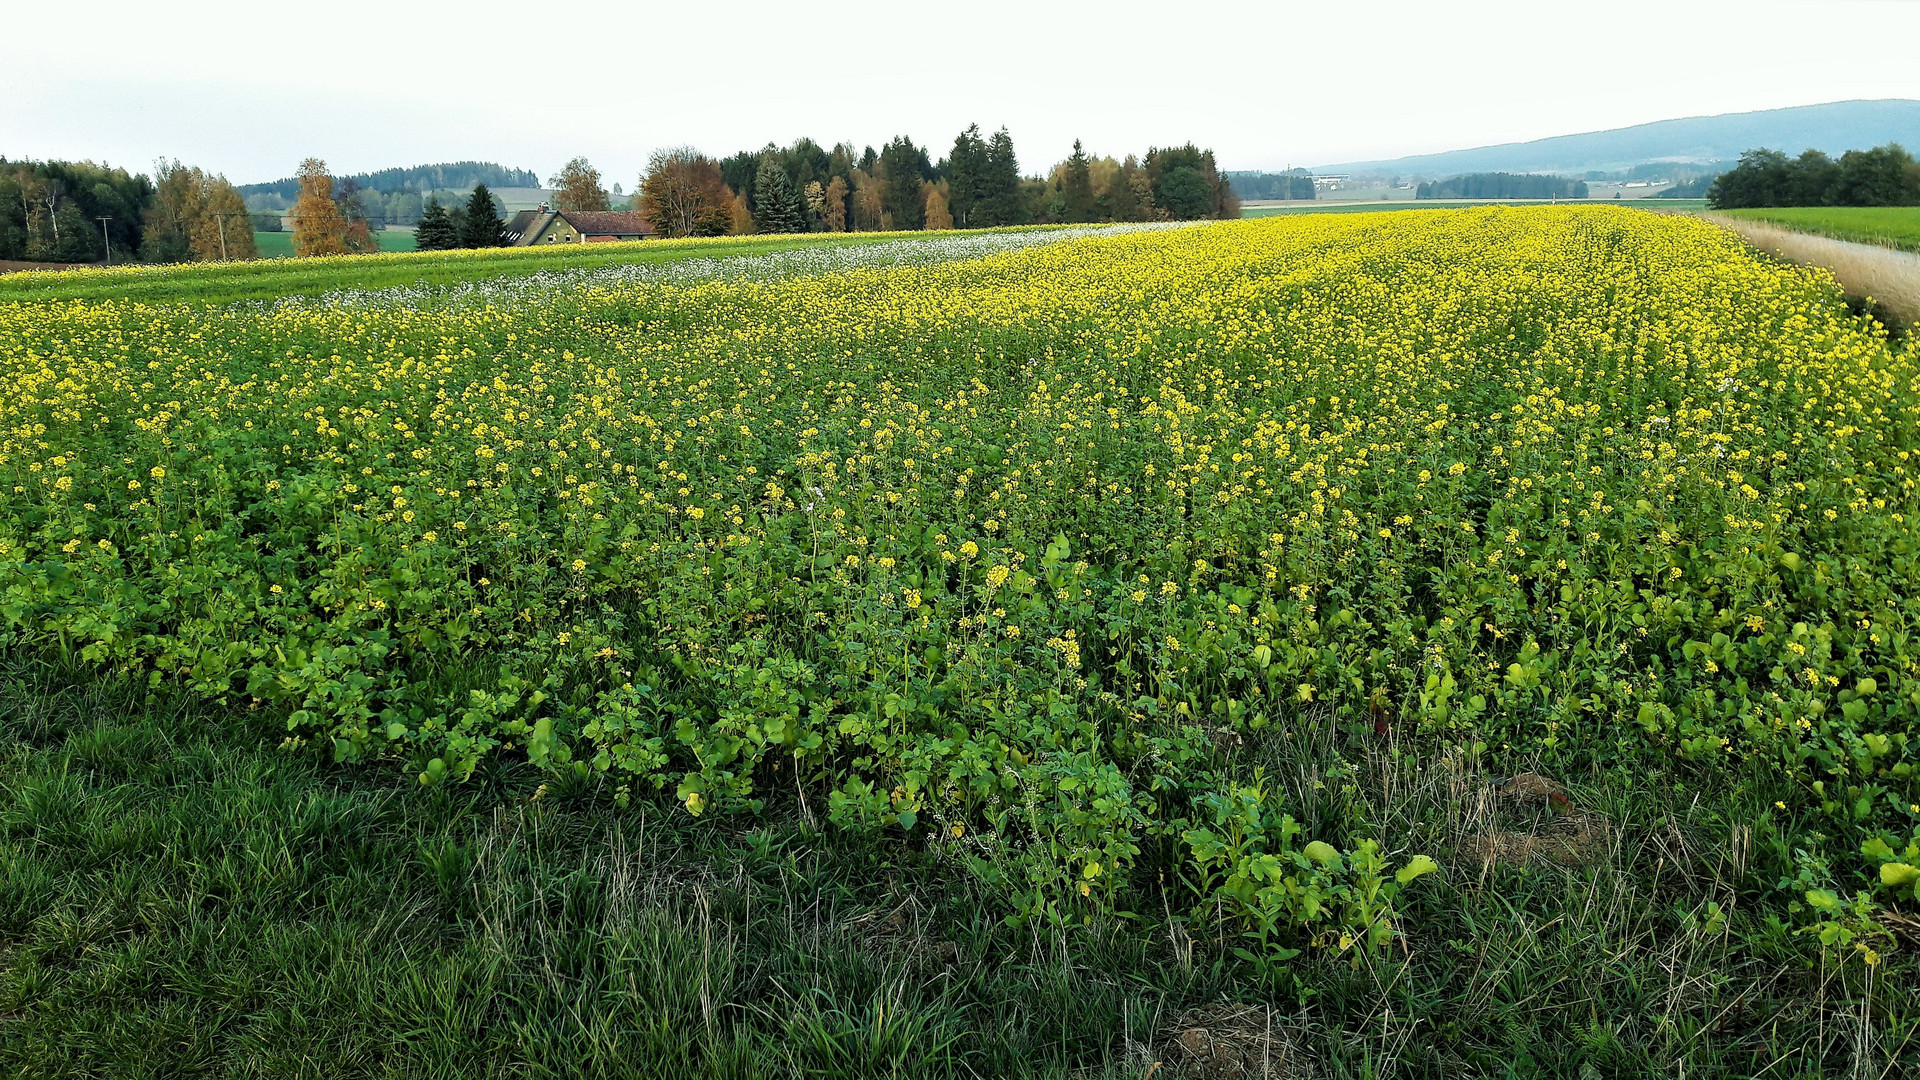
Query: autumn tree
740, 217
938, 216
683, 194
835, 214
358, 234
578, 188
318, 228
869, 213
224, 229
482, 228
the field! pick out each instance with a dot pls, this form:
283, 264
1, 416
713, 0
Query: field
279, 245
268, 279
1440, 643
1332, 206
1895, 226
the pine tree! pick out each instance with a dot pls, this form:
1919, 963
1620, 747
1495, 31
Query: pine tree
1076, 188
435, 231
900, 176
777, 206
965, 171
1000, 186
482, 228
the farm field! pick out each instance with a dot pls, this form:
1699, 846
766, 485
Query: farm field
268, 279
1895, 226
1332, 206
279, 245
1454, 642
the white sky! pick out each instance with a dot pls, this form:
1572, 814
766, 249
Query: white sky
248, 89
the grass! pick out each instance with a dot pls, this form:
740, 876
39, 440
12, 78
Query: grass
279, 245
177, 899
1894, 226
1337, 207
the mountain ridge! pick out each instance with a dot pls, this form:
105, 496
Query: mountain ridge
1832, 126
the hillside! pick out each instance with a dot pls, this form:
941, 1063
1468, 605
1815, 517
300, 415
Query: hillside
456, 176
1832, 127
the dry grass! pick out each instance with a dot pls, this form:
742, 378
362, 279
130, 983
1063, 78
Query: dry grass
1889, 276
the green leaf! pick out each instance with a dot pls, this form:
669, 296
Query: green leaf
908, 819
1322, 852
1420, 865
1895, 874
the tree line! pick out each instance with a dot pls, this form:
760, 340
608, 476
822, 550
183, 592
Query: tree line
807, 187
66, 211
1883, 176
1499, 185
1294, 184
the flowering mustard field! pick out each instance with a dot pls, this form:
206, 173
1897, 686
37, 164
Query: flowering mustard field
1010, 552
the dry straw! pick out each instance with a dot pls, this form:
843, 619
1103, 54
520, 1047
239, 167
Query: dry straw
1887, 275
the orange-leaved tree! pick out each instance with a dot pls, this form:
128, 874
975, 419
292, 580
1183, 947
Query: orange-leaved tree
683, 194
318, 227
938, 216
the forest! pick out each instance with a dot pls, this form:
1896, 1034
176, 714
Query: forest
1883, 176
52, 211
1292, 185
806, 187
1499, 185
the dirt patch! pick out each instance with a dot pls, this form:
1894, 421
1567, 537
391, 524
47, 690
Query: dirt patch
1568, 836
8, 266
1229, 1042
904, 930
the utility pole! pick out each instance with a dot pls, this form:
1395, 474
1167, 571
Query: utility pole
106, 244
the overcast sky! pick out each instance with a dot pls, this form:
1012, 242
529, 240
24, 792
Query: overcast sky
248, 89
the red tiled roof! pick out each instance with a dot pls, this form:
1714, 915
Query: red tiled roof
608, 223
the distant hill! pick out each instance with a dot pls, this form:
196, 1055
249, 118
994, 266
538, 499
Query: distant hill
454, 176
1833, 127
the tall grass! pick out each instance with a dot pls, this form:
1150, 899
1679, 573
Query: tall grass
178, 899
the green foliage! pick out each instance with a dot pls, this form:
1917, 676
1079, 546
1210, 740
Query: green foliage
777, 203
482, 226
1883, 176
1503, 186
902, 167
50, 211
436, 230
1187, 185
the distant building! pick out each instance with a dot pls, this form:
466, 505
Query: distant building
538, 228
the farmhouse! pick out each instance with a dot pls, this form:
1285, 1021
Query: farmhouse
543, 226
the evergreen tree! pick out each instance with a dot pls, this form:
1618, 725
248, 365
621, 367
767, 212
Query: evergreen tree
1076, 188
482, 228
435, 231
1001, 202
966, 174
777, 205
901, 171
